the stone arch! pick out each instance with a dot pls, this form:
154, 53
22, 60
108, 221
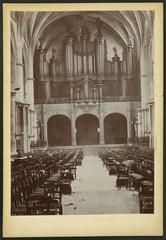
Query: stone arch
59, 130
115, 128
87, 126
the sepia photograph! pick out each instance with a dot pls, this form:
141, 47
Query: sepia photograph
82, 112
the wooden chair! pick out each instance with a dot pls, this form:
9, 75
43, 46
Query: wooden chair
52, 192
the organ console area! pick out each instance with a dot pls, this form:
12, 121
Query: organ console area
84, 72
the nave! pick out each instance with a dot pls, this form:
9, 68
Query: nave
88, 180
95, 192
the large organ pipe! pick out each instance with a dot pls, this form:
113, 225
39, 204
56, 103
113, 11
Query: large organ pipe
75, 65
100, 55
90, 64
94, 64
79, 64
69, 57
84, 54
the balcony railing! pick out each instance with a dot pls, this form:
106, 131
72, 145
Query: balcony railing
88, 101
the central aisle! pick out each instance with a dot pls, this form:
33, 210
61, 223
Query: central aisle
95, 192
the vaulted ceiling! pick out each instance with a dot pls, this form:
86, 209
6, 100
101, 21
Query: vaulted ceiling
125, 25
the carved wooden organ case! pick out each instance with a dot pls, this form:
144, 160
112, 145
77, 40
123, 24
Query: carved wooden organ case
84, 72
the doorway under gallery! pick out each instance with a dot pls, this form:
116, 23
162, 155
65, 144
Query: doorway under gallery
87, 130
59, 131
115, 129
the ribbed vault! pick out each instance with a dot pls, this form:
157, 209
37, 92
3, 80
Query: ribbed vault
124, 24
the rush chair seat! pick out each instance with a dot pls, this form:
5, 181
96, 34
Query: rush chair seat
147, 204
53, 194
122, 182
53, 190
43, 205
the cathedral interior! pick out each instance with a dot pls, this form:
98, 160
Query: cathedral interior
83, 78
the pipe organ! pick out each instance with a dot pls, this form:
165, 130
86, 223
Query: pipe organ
83, 71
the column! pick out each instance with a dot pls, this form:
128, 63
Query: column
143, 122
149, 126
77, 94
41, 63
35, 126
41, 124
129, 59
13, 122
139, 124
152, 125
124, 87
94, 94
124, 63
29, 81
145, 117
25, 127
86, 88
52, 64
45, 127
100, 90
41, 72
73, 127
101, 124
143, 79
129, 125
47, 89
20, 73
71, 86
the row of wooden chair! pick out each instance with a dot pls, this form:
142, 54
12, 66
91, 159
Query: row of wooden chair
134, 177
29, 180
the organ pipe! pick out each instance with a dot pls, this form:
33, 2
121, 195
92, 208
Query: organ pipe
69, 57
100, 56
75, 65
84, 54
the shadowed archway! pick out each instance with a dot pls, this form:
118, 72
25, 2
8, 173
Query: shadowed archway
87, 130
115, 129
59, 131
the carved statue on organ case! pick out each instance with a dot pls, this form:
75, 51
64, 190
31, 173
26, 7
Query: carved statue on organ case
115, 51
99, 24
53, 52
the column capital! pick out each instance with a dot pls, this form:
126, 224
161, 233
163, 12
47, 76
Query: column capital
100, 40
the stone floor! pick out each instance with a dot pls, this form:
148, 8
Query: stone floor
94, 190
